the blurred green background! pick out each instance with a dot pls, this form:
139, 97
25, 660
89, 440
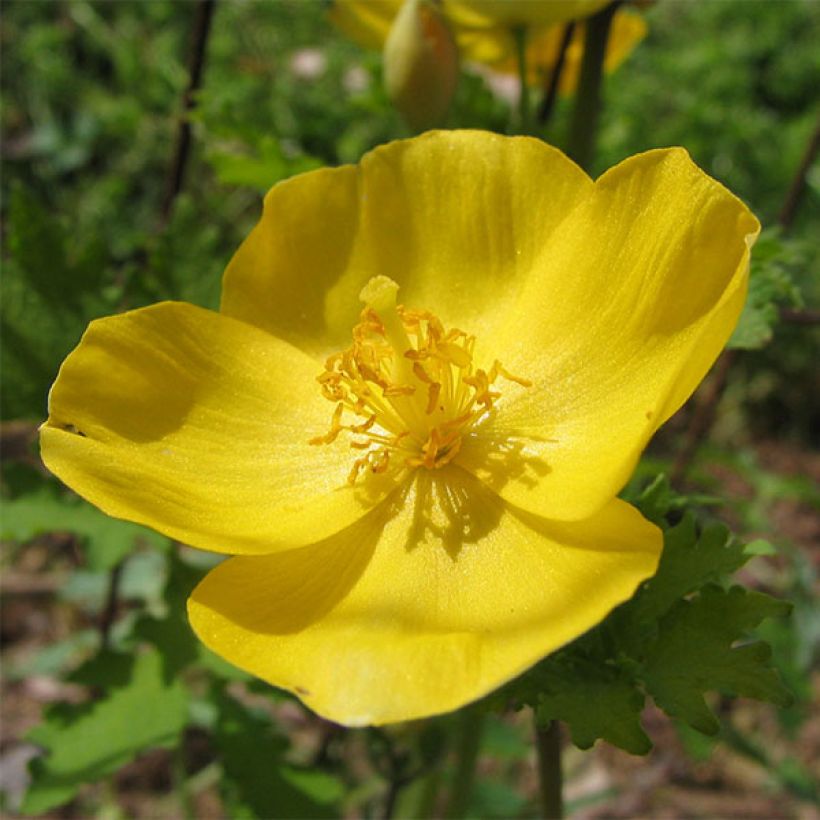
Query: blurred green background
91, 100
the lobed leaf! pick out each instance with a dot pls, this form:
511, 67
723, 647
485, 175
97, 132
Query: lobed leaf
595, 701
689, 560
770, 285
694, 652
674, 640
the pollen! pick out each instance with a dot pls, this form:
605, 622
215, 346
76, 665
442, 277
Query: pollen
407, 391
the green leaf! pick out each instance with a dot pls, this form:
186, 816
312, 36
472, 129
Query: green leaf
51, 287
54, 658
595, 700
760, 546
695, 652
673, 640
257, 782
770, 285
172, 634
85, 743
493, 798
106, 670
657, 501
186, 261
688, 562
106, 540
260, 170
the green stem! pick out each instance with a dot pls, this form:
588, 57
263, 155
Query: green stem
584, 125
428, 791
187, 807
551, 92
548, 748
468, 745
524, 117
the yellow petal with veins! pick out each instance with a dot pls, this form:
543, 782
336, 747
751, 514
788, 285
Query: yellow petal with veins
426, 604
627, 308
520, 13
496, 48
482, 40
198, 426
457, 218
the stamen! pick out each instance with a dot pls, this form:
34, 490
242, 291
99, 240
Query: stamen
411, 382
433, 393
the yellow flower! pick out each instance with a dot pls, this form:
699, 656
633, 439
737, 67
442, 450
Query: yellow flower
421, 498
520, 13
490, 40
496, 48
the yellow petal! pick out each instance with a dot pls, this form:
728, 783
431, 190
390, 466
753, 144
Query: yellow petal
629, 305
496, 47
512, 13
457, 218
198, 425
425, 604
366, 22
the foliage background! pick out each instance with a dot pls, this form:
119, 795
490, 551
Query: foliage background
91, 97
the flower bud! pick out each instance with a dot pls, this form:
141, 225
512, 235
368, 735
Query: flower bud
421, 64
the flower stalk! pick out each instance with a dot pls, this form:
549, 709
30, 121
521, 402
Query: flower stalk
469, 732
584, 124
550, 780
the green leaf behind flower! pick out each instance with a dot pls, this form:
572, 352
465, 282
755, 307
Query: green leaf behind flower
680, 636
775, 260
694, 652
257, 782
84, 743
106, 540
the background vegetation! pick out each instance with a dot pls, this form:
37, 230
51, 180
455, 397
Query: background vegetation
92, 95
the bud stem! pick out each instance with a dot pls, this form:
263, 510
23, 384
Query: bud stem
584, 125
524, 120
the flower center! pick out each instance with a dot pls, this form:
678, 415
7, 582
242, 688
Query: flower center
410, 382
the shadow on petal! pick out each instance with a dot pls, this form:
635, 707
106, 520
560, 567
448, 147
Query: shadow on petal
300, 586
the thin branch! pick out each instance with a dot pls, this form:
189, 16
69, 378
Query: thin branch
800, 317
109, 613
551, 93
795, 193
703, 417
182, 149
